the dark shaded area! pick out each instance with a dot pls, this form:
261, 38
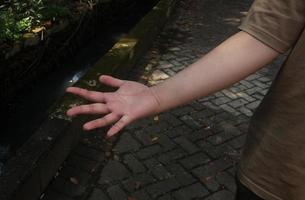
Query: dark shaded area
29, 108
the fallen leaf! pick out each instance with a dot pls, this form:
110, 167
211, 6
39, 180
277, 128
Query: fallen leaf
74, 180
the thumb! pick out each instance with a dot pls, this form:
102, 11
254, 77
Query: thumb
111, 81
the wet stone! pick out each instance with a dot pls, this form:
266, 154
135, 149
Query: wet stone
190, 192
98, 194
116, 193
195, 160
134, 165
113, 171
126, 143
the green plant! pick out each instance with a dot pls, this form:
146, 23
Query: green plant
54, 11
19, 16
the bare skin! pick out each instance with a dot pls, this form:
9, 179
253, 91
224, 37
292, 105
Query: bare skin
230, 62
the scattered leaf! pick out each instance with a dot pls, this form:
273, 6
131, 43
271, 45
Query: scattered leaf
74, 180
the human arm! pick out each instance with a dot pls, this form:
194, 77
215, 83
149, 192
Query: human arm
231, 61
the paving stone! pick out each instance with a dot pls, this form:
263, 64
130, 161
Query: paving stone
253, 77
98, 194
212, 107
229, 94
258, 96
160, 172
218, 94
230, 109
169, 72
221, 100
140, 195
220, 138
188, 146
162, 187
166, 197
207, 173
178, 131
190, 122
171, 156
241, 87
138, 182
166, 143
206, 99
260, 84
238, 142
116, 193
227, 181
253, 90
126, 143
219, 151
170, 119
202, 114
156, 128
197, 105
149, 151
195, 160
237, 103
113, 171
180, 111
199, 135
180, 174
222, 195
246, 111
253, 105
190, 192
246, 96
138, 124
134, 165
264, 79
151, 163
246, 83
232, 171
145, 138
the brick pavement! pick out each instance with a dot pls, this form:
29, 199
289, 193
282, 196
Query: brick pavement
190, 152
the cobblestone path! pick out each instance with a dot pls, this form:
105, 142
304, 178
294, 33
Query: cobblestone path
190, 152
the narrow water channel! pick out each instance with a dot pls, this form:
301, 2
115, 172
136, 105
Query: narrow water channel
25, 113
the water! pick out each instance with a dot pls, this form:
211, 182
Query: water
25, 113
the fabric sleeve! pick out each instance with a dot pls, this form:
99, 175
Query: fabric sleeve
276, 23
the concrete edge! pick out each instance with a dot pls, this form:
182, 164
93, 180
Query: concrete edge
30, 171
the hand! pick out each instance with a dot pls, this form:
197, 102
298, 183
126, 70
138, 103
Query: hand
131, 101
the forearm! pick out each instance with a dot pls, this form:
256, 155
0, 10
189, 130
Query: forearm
231, 61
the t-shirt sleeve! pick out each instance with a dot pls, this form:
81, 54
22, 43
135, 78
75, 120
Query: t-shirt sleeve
277, 23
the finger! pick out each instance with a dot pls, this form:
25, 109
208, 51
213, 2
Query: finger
107, 120
86, 94
124, 121
111, 81
95, 108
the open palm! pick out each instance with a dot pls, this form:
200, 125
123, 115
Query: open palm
131, 101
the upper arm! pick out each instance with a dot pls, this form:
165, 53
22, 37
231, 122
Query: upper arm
276, 23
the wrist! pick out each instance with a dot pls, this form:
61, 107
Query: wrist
155, 94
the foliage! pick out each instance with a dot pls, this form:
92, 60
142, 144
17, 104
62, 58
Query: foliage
19, 16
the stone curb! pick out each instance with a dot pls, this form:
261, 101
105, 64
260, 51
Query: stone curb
28, 173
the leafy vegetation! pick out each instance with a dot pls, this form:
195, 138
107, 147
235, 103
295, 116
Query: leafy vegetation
20, 16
